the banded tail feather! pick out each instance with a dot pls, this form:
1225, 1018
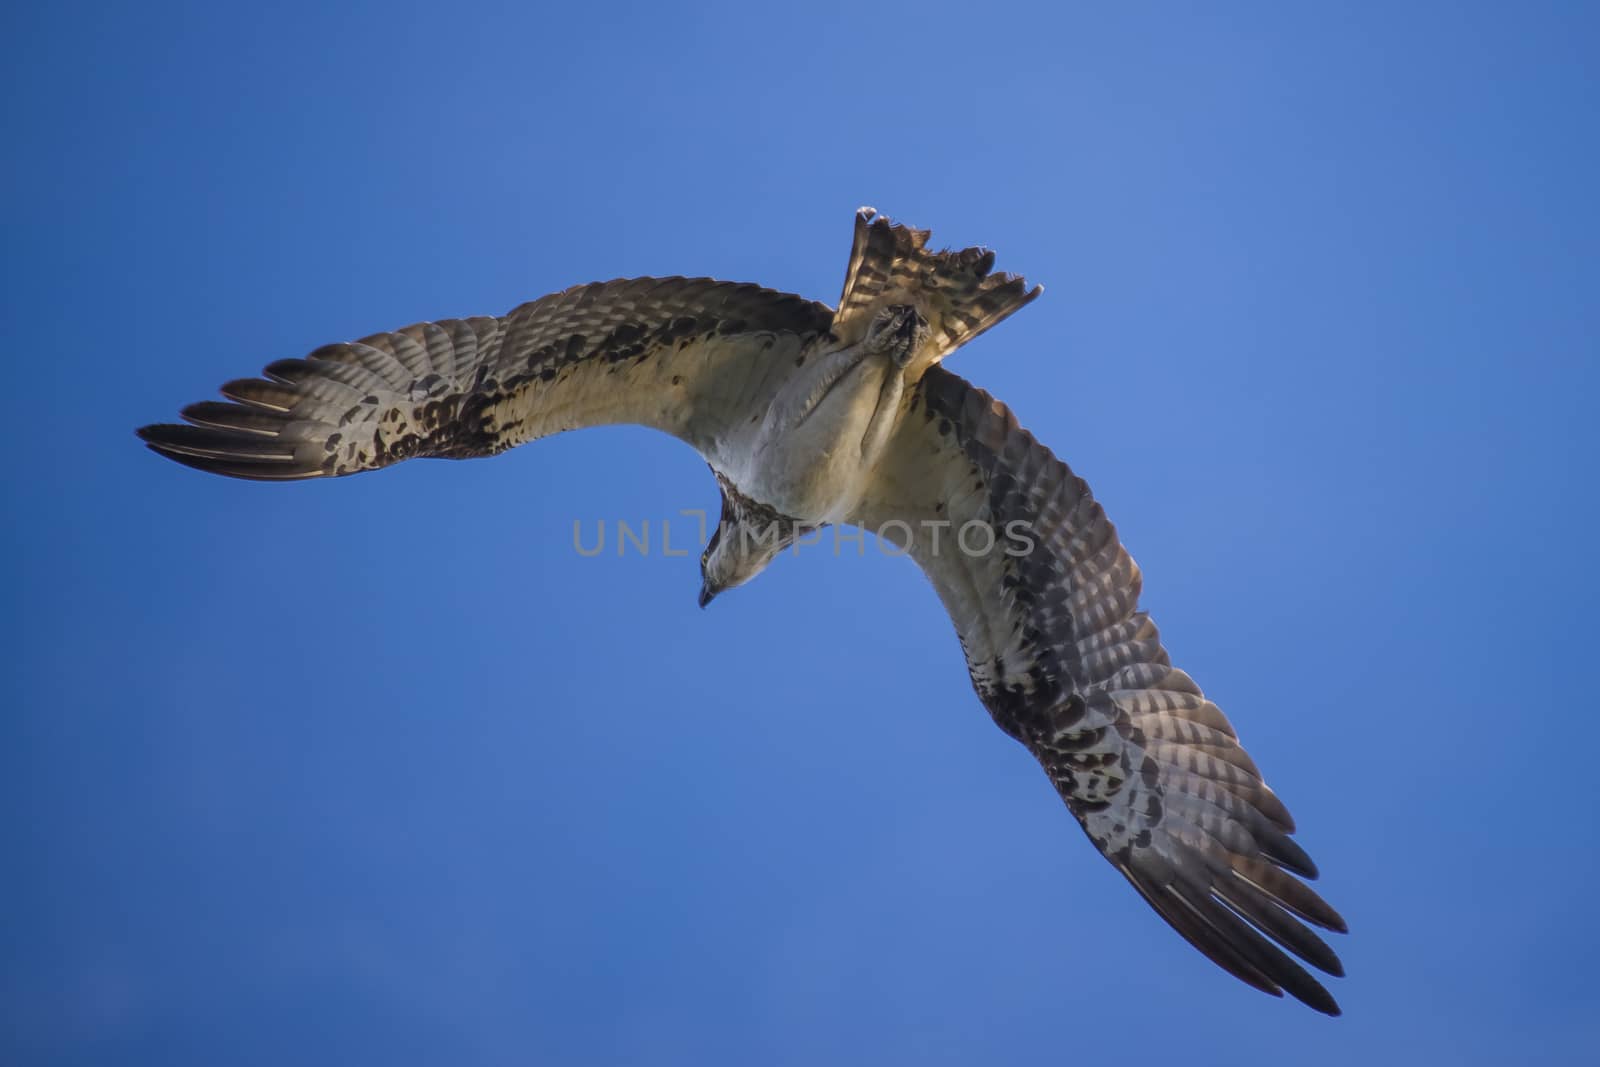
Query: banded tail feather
955, 291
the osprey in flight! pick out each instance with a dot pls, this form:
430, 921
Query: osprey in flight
808, 416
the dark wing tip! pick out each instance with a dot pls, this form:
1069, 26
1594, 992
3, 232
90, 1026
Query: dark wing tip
1239, 918
233, 453
1287, 853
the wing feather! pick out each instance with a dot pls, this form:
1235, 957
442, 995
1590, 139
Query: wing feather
689, 356
1067, 664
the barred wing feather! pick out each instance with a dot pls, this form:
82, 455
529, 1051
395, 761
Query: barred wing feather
1066, 663
689, 356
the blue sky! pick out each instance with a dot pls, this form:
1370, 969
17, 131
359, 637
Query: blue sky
380, 771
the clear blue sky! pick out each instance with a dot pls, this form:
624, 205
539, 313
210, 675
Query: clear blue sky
379, 771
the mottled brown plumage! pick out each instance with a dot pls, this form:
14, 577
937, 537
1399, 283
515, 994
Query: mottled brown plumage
809, 416
1066, 663
681, 355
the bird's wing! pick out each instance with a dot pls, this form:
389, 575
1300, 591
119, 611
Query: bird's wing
690, 356
1068, 665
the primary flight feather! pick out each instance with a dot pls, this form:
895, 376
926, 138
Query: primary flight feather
809, 416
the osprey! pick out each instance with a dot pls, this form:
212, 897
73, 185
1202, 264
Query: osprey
810, 416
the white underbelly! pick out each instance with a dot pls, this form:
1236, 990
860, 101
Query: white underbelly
814, 470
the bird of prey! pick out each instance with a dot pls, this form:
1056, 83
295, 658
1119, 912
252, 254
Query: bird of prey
810, 416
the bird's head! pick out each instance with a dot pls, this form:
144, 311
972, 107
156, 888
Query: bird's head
747, 539
897, 331
737, 552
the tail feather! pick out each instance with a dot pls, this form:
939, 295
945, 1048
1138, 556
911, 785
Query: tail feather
955, 291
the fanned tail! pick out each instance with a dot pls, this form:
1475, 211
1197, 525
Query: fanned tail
953, 290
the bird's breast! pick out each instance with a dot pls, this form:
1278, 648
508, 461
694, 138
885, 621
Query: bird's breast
820, 441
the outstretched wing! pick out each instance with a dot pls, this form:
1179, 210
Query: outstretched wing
1068, 665
689, 356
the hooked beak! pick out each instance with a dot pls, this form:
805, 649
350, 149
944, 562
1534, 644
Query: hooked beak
706, 594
